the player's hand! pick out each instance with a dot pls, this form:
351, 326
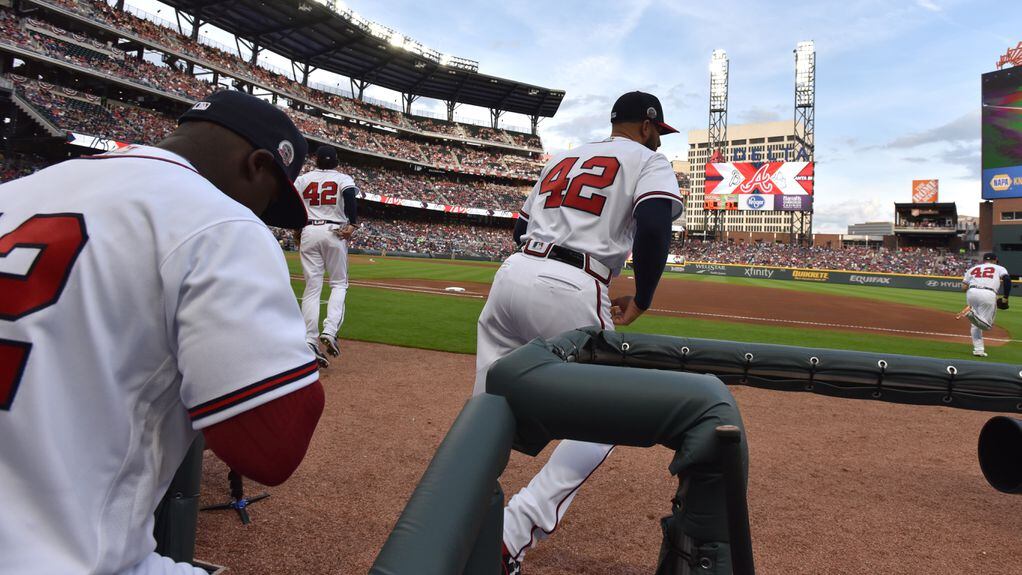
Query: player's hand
624, 311
345, 232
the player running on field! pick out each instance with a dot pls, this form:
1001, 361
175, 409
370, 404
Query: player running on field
592, 205
142, 301
329, 196
981, 284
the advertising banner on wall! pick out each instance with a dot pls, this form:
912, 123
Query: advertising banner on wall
924, 191
936, 283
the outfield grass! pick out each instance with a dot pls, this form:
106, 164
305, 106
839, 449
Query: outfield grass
448, 323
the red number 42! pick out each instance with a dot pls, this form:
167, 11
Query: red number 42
321, 194
59, 239
983, 272
557, 181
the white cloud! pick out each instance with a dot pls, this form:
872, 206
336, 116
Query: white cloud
833, 217
929, 5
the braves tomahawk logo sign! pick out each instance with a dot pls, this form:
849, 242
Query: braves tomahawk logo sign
769, 178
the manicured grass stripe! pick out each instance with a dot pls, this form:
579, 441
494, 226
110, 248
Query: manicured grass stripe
443, 323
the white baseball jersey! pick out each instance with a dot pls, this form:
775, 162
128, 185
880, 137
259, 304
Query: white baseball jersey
985, 275
322, 191
138, 304
586, 196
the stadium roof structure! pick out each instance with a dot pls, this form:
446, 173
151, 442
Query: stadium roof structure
312, 33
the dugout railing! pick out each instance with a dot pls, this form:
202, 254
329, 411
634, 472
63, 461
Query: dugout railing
558, 388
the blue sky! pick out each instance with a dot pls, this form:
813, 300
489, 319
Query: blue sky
898, 82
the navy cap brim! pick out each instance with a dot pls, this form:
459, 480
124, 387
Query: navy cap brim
288, 211
664, 129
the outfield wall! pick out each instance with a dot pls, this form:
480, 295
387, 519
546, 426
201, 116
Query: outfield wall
841, 277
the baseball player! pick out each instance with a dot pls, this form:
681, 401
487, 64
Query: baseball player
982, 283
143, 301
333, 216
591, 206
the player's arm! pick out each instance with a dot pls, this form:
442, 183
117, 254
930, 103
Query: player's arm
1006, 283
521, 226
249, 381
522, 223
649, 257
350, 195
267, 443
655, 204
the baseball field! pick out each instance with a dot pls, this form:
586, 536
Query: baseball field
835, 485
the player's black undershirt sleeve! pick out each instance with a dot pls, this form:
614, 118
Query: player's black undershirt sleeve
350, 205
521, 225
1006, 281
650, 246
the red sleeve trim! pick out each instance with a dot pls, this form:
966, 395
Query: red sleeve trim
523, 215
248, 392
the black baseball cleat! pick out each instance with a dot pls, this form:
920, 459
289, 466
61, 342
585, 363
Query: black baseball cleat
511, 565
330, 343
320, 358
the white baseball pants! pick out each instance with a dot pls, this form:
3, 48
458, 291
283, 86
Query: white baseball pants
322, 250
984, 307
533, 297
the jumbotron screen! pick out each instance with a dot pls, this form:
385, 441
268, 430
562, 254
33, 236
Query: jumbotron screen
759, 186
1002, 134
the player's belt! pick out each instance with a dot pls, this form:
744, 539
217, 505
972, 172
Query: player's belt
582, 261
323, 222
981, 287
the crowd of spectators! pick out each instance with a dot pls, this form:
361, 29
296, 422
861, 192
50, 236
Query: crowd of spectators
436, 188
422, 236
76, 113
57, 43
124, 123
37, 36
18, 165
853, 258
202, 51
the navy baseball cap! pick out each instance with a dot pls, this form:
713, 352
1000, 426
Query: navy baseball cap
989, 256
326, 155
266, 127
640, 106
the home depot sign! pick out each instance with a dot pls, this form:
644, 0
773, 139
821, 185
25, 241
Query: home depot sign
924, 191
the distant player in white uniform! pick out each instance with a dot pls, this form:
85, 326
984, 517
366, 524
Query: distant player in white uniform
141, 302
982, 283
333, 216
592, 206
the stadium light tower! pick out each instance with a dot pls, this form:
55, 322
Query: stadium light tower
716, 136
805, 130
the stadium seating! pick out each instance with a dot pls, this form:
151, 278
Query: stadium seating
854, 258
217, 56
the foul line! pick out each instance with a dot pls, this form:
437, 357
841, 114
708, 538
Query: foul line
439, 291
